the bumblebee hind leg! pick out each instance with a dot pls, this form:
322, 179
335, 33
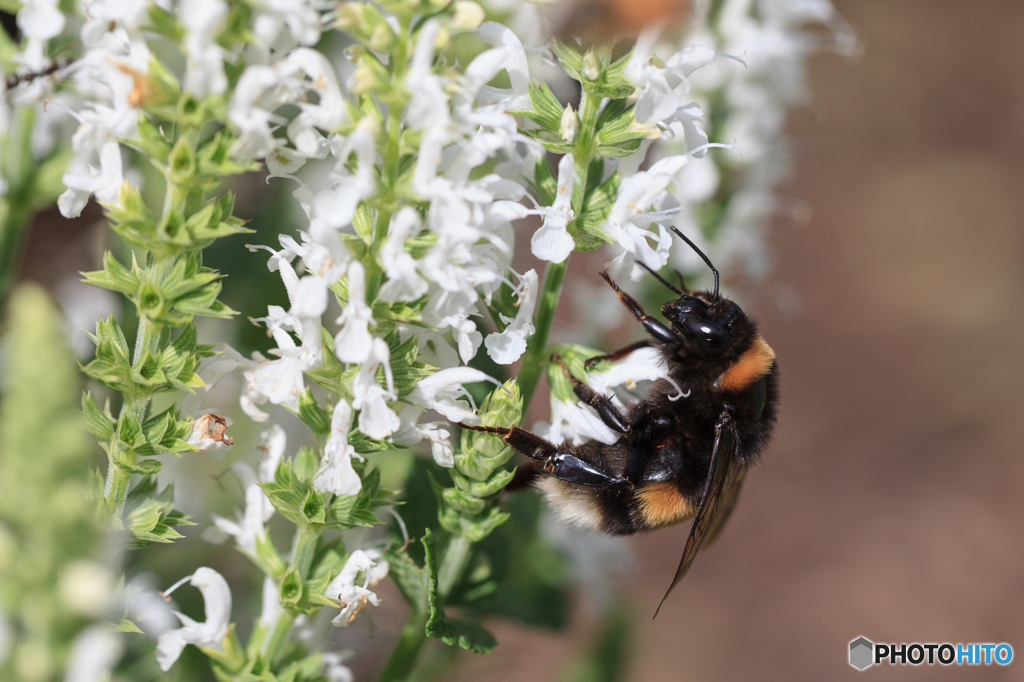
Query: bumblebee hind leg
561, 462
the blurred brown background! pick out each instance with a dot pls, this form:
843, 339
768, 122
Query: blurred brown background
889, 505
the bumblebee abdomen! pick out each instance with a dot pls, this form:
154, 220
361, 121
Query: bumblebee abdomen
662, 504
617, 511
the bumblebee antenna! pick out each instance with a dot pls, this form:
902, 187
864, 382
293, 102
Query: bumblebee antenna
659, 277
699, 253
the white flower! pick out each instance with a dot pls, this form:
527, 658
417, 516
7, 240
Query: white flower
86, 587
575, 423
629, 222
508, 51
247, 527
281, 380
376, 419
552, 242
328, 113
38, 21
467, 337
335, 207
247, 113
272, 442
226, 361
353, 598
84, 180
217, 600
94, 653
333, 670
270, 608
661, 96
204, 68
146, 608
336, 474
404, 283
412, 432
353, 342
442, 392
644, 364
506, 347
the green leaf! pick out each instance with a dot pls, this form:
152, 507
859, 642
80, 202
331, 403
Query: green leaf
125, 626
463, 634
545, 182
568, 54
48, 182
306, 465
314, 508
291, 587
482, 453
596, 207
624, 128
547, 110
363, 221
268, 556
96, 422
312, 415
411, 580
467, 505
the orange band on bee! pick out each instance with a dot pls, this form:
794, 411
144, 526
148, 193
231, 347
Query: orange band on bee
661, 504
756, 362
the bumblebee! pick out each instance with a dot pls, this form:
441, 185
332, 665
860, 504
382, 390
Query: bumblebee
686, 447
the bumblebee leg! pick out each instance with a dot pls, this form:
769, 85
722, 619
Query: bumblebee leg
561, 462
617, 355
655, 328
604, 407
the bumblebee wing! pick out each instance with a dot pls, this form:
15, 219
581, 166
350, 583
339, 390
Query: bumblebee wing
723, 462
730, 493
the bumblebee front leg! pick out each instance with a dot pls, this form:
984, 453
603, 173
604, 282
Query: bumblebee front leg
560, 462
655, 328
603, 405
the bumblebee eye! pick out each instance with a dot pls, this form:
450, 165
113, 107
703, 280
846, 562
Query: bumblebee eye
702, 329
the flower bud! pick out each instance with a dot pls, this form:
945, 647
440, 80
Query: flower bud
468, 16
591, 67
86, 588
567, 128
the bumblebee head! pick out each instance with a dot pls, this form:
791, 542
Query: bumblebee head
707, 323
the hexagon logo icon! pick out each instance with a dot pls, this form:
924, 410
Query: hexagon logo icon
861, 653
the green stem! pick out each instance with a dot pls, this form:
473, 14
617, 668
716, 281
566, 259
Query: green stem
303, 549
279, 636
406, 652
15, 218
535, 359
303, 552
456, 557
135, 403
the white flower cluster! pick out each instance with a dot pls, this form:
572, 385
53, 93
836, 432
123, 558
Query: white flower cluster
774, 39
469, 220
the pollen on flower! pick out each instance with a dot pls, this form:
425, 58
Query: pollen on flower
142, 89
